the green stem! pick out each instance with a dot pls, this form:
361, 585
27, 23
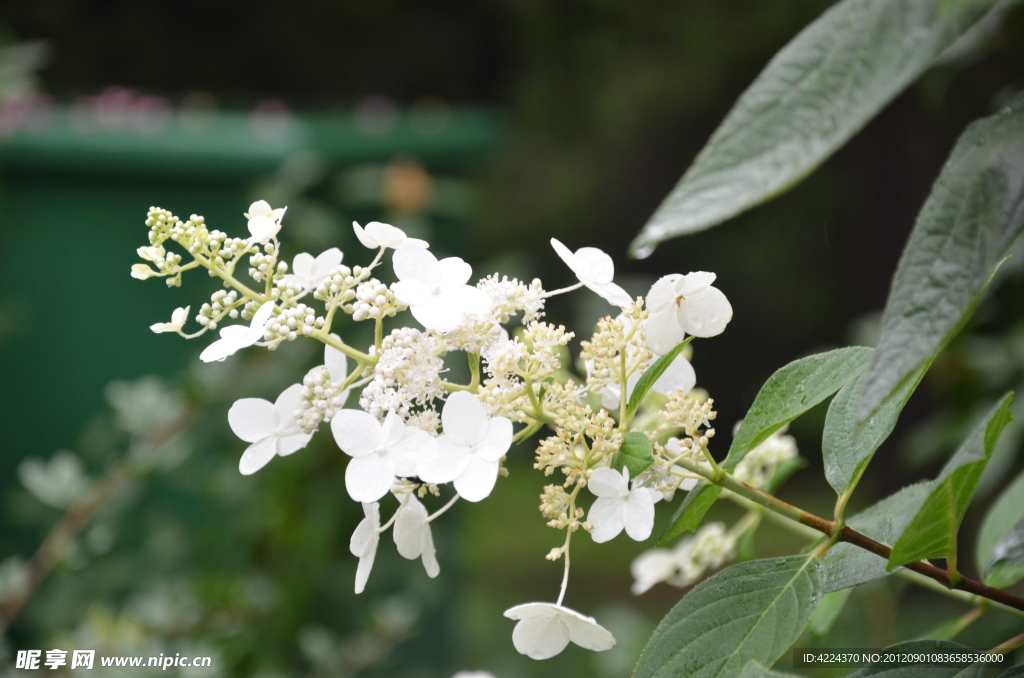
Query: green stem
359, 356
474, 370
229, 279
378, 333
525, 433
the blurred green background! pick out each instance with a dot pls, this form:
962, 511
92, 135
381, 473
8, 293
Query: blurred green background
488, 128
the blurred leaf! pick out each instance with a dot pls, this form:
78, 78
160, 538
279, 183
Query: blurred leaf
783, 472
847, 565
689, 514
635, 454
932, 532
793, 390
848, 444
923, 670
825, 616
1006, 511
815, 94
750, 611
962, 235
1007, 566
1015, 672
651, 376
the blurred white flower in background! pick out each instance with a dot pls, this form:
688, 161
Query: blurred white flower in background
57, 483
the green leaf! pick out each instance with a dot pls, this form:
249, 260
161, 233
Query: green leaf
825, 616
848, 444
1006, 511
962, 235
750, 611
689, 514
783, 471
815, 94
755, 670
932, 532
847, 565
886, 670
1007, 566
635, 454
1015, 672
793, 390
652, 375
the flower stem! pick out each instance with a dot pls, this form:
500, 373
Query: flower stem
563, 290
444, 508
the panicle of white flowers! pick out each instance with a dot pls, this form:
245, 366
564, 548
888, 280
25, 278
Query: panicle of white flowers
407, 373
758, 467
415, 432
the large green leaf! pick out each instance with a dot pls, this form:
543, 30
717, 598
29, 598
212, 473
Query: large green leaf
815, 94
755, 670
1007, 566
932, 532
689, 514
1006, 511
793, 390
970, 220
847, 565
751, 611
888, 670
848, 444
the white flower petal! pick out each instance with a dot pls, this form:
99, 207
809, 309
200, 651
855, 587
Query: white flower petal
496, 440
464, 419
257, 455
287, 403
364, 544
610, 292
417, 263
377, 235
638, 514
586, 632
405, 453
430, 555
302, 264
409, 527
705, 314
606, 515
262, 229
251, 419
369, 478
607, 482
528, 610
688, 484
290, 444
337, 364
260, 208
662, 294
438, 314
444, 462
470, 300
678, 377
565, 254
694, 283
357, 433
454, 273
540, 637
664, 331
412, 292
261, 318
325, 261
477, 480
593, 266
231, 341
610, 397
364, 239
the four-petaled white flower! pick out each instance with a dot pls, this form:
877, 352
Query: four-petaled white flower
544, 629
379, 453
363, 543
618, 507
469, 452
685, 304
412, 534
178, 319
237, 337
270, 427
308, 272
436, 291
594, 269
376, 235
264, 221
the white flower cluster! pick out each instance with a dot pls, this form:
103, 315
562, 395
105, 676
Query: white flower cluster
413, 431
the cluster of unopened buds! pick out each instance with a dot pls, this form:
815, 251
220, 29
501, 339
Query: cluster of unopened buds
410, 431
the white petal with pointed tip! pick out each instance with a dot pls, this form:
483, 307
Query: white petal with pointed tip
477, 480
257, 455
